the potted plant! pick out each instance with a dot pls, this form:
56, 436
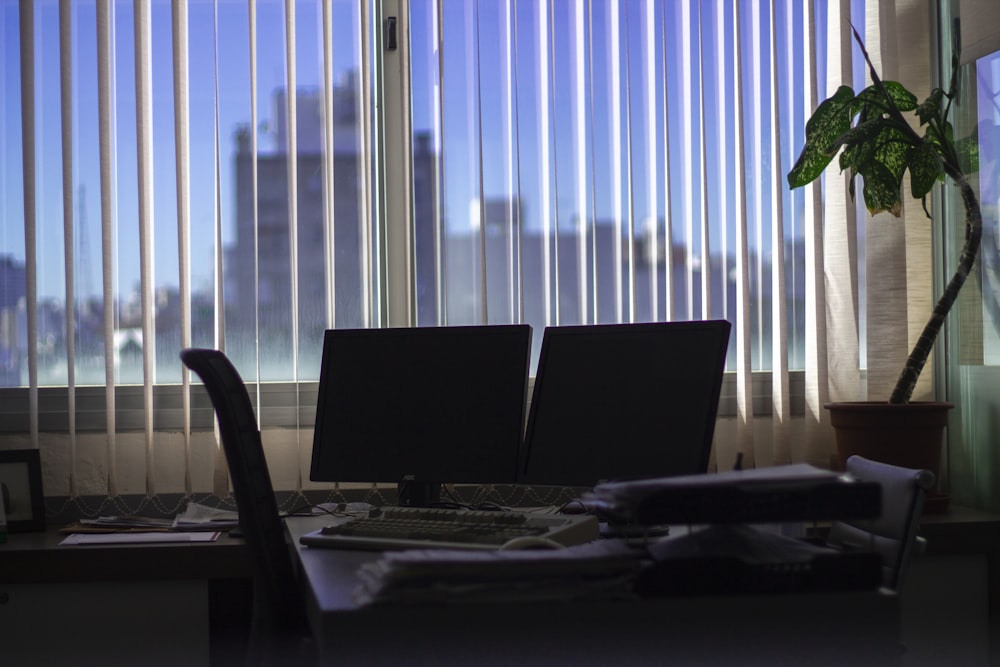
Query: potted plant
875, 141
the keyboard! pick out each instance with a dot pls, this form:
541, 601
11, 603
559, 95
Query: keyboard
434, 528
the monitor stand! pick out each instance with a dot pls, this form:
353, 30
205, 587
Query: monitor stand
418, 494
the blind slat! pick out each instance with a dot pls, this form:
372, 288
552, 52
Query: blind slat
484, 310
220, 476
106, 107
27, 33
816, 362
780, 403
579, 121
66, 117
144, 174
668, 220
182, 157
704, 242
744, 388
617, 186
630, 301
329, 238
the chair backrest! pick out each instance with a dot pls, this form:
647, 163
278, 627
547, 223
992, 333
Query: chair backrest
276, 605
893, 535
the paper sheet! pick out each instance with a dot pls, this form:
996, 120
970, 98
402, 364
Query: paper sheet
138, 538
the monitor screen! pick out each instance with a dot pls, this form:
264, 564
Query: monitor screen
624, 401
423, 404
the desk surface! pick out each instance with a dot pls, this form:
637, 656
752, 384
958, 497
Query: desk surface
688, 630
39, 558
592, 632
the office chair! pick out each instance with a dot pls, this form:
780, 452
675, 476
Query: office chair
893, 535
278, 632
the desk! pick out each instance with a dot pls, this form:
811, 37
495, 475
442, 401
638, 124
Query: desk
951, 599
38, 558
833, 628
126, 604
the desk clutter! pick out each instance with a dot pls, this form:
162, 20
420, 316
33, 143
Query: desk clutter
431, 527
601, 569
196, 518
729, 559
724, 545
795, 492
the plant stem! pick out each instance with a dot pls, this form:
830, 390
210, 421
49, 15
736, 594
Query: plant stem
903, 390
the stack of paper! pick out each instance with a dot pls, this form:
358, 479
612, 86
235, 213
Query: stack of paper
126, 523
602, 569
138, 538
195, 517
203, 517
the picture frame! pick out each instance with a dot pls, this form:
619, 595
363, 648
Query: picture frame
21, 490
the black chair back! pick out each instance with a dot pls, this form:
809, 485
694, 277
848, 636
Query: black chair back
278, 612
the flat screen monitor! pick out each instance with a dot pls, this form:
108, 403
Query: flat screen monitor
421, 406
624, 401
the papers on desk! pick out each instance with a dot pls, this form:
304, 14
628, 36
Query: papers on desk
795, 492
195, 517
603, 569
137, 538
202, 517
737, 559
110, 524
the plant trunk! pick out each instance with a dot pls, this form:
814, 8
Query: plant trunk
925, 343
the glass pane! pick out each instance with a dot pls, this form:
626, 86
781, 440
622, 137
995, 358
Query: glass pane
255, 252
569, 135
974, 324
12, 275
258, 260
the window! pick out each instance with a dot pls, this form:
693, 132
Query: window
559, 129
974, 345
545, 144
245, 175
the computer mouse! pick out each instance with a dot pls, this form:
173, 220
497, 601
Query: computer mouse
531, 542
575, 506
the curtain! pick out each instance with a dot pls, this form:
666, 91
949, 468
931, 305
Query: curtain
518, 161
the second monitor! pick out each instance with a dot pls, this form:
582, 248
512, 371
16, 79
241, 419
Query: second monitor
624, 401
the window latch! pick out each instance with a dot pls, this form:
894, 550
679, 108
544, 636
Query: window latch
390, 34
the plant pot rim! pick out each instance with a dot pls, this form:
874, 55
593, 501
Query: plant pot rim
885, 405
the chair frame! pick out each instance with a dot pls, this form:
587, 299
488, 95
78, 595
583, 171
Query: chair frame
278, 610
893, 535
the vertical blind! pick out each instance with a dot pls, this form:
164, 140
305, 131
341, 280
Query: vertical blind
516, 161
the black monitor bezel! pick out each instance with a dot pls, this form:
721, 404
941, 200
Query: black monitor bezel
552, 336
324, 431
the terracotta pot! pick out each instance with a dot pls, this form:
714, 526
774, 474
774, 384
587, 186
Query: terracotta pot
909, 435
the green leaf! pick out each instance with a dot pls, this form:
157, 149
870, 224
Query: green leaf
881, 190
860, 143
831, 119
873, 96
864, 131
925, 170
892, 151
930, 107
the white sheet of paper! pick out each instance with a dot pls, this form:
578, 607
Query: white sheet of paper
138, 538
